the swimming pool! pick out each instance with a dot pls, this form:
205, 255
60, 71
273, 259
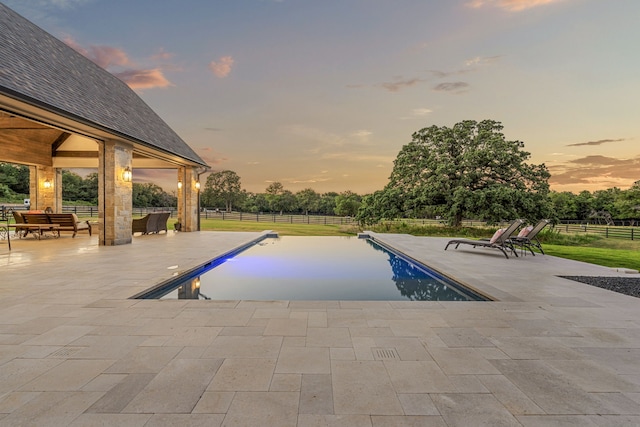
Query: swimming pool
315, 268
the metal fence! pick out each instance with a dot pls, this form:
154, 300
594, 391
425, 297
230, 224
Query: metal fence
92, 211
277, 218
607, 231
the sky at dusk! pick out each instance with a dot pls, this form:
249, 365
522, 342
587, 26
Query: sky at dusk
323, 94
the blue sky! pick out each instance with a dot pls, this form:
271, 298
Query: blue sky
323, 94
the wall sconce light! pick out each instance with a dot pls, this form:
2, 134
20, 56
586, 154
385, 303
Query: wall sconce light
197, 185
179, 185
47, 184
126, 174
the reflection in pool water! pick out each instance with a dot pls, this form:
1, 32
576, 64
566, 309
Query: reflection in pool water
319, 268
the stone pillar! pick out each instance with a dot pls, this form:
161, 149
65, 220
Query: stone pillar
57, 203
182, 179
42, 187
114, 193
191, 199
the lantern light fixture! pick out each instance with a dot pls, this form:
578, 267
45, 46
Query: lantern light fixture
126, 174
197, 185
47, 184
179, 185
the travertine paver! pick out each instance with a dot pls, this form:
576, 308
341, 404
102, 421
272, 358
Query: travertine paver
75, 350
363, 387
243, 375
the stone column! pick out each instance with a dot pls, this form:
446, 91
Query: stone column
114, 193
182, 179
191, 196
57, 203
42, 187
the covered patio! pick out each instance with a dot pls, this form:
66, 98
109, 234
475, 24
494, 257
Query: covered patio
59, 110
76, 350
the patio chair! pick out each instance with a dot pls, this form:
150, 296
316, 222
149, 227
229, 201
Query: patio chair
500, 240
527, 238
161, 225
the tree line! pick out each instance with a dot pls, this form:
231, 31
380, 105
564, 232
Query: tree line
223, 191
14, 187
469, 170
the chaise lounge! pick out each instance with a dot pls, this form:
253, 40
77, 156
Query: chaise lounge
500, 240
527, 238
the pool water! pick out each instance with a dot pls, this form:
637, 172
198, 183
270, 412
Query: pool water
319, 268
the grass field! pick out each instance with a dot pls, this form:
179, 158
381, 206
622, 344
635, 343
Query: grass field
580, 247
284, 229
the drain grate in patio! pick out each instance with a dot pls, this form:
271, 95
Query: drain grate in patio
385, 354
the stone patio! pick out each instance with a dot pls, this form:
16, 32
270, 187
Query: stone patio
75, 350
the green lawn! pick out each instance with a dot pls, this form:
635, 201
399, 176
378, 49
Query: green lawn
620, 258
283, 229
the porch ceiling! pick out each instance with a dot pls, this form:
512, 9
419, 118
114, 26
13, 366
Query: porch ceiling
32, 143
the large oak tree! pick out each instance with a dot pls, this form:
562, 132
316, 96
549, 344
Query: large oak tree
468, 170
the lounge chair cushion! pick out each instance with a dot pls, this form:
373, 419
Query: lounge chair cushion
496, 235
525, 231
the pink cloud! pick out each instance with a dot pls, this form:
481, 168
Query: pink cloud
162, 55
109, 57
597, 171
510, 5
222, 67
143, 79
104, 56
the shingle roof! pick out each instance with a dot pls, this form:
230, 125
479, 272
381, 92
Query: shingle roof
39, 69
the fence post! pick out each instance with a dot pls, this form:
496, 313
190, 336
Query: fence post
606, 232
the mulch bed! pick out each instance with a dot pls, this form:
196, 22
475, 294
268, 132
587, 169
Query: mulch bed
624, 285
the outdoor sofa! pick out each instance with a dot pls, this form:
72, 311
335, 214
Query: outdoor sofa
151, 223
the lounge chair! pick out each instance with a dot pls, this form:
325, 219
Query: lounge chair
500, 240
527, 238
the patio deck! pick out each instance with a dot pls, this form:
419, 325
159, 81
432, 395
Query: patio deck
75, 350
